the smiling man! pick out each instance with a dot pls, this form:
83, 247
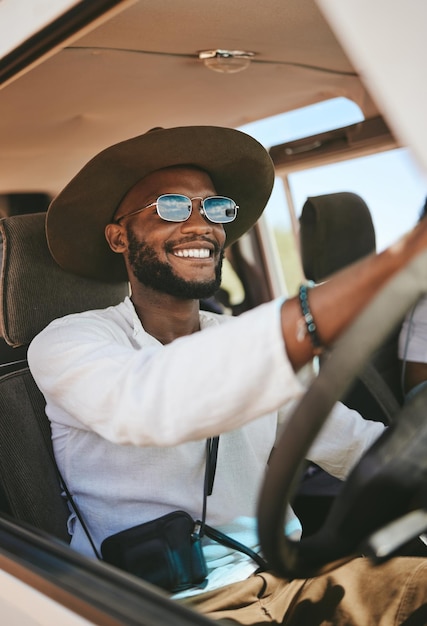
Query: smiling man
137, 394
184, 262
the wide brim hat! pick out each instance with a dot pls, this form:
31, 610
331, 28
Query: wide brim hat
238, 165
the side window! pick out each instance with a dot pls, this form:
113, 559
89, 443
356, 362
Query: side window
390, 182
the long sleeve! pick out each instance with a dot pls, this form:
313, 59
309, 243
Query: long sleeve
99, 371
342, 440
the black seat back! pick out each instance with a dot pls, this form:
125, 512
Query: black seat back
12, 358
29, 482
336, 230
34, 290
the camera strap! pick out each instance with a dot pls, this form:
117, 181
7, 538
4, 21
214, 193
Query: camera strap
204, 529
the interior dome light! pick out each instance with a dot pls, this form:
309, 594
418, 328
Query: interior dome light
226, 61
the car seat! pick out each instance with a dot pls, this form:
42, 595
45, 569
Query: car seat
18, 204
337, 230
34, 290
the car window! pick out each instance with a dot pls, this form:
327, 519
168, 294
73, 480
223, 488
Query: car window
391, 182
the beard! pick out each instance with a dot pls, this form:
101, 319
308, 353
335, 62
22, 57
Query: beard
159, 276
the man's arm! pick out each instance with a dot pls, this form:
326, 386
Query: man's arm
337, 302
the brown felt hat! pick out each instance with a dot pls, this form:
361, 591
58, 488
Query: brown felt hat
238, 165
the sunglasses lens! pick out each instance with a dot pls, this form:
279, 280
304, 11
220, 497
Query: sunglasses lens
173, 207
220, 210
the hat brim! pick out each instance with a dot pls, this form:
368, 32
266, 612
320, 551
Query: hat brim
238, 165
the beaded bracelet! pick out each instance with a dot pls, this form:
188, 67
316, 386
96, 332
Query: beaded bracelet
310, 324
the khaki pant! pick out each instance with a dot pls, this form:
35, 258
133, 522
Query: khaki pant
355, 594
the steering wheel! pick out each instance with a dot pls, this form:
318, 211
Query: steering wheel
383, 503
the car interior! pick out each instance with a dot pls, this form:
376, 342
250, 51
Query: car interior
95, 73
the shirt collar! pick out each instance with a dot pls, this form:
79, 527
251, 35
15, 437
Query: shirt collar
206, 319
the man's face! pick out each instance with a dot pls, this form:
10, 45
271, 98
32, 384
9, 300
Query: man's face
182, 259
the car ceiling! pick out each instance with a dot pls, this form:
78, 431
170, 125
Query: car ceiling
140, 69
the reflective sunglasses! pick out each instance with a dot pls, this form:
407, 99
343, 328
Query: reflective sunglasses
174, 207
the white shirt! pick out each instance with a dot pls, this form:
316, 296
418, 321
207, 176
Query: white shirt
130, 417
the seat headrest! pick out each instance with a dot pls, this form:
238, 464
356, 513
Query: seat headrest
34, 290
335, 230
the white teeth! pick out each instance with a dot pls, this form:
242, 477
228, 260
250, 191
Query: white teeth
196, 253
